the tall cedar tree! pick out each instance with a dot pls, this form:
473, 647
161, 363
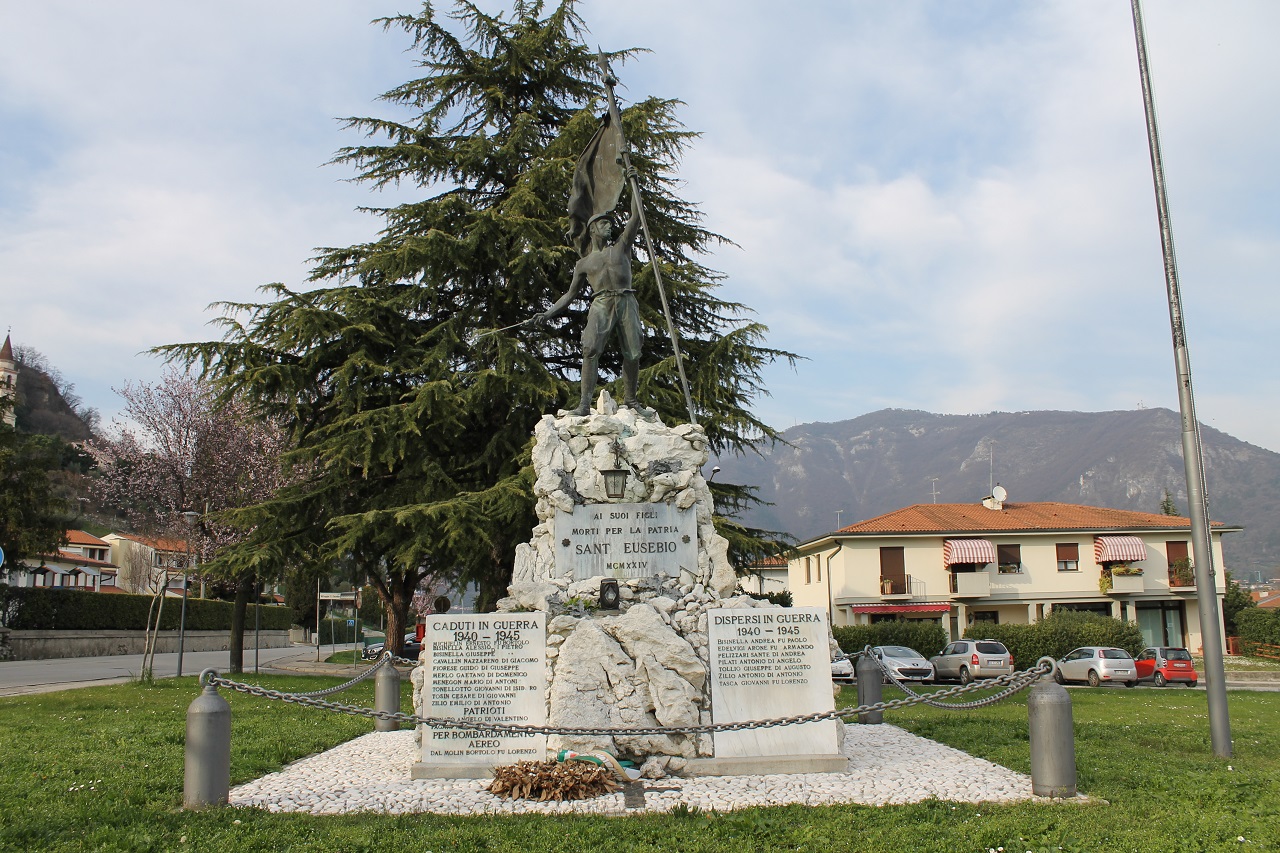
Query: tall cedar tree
418, 430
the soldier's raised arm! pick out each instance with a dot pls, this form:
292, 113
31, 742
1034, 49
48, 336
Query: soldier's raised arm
632, 226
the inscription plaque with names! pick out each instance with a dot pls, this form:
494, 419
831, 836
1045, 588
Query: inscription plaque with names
627, 540
768, 663
490, 667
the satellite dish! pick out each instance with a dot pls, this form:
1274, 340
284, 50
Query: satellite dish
999, 493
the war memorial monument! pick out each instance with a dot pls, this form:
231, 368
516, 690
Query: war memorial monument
622, 611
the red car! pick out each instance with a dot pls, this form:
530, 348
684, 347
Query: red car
1163, 664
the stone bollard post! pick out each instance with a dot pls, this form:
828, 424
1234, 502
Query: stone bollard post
386, 696
207, 777
1053, 740
870, 687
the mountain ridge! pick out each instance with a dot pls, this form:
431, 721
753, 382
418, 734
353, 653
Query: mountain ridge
892, 458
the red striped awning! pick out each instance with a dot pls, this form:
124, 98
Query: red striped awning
937, 607
967, 551
1111, 549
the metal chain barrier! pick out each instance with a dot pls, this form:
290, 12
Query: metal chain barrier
368, 673
930, 699
1013, 681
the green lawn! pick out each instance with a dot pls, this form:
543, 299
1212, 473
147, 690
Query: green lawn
101, 769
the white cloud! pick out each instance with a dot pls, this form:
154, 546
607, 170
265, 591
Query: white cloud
944, 206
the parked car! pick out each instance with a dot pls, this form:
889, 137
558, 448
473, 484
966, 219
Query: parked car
1163, 664
842, 669
1096, 664
965, 660
905, 663
412, 648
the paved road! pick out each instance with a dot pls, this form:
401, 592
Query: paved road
44, 676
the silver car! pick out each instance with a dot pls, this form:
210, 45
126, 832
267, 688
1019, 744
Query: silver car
905, 663
1097, 664
965, 660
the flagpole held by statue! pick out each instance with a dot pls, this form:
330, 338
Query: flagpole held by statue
599, 176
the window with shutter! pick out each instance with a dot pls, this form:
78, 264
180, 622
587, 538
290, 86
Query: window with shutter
1068, 556
1009, 558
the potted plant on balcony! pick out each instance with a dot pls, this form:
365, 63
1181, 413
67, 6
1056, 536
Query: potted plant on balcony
1125, 570
1104, 580
1181, 573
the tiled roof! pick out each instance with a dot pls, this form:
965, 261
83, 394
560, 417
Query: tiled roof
81, 560
770, 563
157, 542
79, 537
1047, 516
76, 559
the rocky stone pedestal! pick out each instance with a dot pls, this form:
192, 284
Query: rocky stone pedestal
645, 663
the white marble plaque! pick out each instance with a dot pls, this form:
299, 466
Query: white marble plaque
490, 667
626, 540
768, 663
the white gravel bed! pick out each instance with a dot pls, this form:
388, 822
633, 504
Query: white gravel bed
887, 766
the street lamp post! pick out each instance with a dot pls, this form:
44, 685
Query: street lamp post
189, 518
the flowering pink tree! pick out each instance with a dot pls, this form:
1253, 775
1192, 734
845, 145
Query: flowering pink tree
177, 449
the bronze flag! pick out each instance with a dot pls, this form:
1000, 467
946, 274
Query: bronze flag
597, 183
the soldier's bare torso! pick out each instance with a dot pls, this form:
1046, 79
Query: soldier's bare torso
608, 269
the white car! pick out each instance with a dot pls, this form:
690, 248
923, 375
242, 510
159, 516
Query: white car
842, 669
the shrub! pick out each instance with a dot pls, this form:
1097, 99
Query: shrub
337, 629
924, 636
60, 609
1059, 633
1259, 625
782, 599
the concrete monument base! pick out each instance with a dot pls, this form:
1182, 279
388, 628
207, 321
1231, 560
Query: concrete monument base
765, 765
440, 770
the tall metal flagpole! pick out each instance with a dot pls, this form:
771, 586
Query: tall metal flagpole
606, 76
1197, 501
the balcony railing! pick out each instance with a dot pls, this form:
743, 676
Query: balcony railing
970, 584
1126, 584
895, 587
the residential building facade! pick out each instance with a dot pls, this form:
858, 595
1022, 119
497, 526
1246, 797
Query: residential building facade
1009, 563
766, 576
84, 562
146, 562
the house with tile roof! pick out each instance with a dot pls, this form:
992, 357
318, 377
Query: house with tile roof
83, 562
147, 561
765, 576
1004, 562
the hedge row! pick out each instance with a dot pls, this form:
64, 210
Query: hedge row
1259, 625
924, 636
1059, 633
57, 608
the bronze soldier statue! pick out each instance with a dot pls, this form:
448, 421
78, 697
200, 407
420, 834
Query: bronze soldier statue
607, 269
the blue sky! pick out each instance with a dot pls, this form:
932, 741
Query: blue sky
942, 205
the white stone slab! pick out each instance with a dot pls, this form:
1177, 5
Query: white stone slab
769, 663
490, 667
635, 540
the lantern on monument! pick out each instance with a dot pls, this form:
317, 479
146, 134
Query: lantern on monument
615, 482
609, 594
615, 478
